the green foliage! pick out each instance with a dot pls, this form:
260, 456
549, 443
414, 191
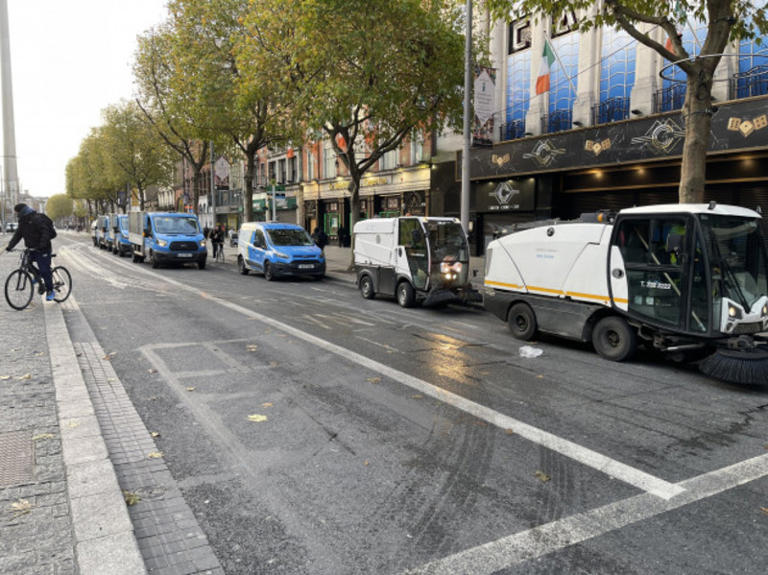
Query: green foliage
136, 154
58, 206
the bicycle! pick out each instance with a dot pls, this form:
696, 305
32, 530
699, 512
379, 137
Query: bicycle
20, 284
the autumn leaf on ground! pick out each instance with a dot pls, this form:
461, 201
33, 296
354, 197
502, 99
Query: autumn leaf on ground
191, 389
42, 436
155, 454
266, 404
21, 507
25, 376
5, 377
72, 423
542, 476
152, 370
764, 510
539, 377
252, 347
258, 418
373, 380
273, 364
155, 433
417, 396
110, 355
131, 498
365, 462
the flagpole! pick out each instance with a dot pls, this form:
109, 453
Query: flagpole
570, 81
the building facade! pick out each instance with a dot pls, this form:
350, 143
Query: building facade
608, 132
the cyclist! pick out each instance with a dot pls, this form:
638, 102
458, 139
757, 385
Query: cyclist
36, 230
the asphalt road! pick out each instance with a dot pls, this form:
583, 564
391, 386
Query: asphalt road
390, 440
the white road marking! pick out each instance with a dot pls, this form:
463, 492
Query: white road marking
550, 537
574, 451
378, 343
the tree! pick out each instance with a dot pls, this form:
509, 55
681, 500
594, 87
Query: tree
90, 175
727, 20
241, 103
171, 104
364, 74
137, 154
59, 206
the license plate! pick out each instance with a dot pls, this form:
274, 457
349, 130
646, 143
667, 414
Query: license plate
306, 266
184, 255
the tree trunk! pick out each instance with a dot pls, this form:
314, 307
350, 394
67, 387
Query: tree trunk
250, 168
354, 213
697, 115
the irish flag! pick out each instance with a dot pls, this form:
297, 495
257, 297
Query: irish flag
547, 59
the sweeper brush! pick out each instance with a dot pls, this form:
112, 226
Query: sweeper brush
744, 366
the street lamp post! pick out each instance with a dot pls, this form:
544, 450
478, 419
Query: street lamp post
467, 120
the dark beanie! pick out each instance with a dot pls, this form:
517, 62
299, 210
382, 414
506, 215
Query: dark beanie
18, 207
23, 210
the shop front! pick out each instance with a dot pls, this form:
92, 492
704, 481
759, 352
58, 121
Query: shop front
614, 166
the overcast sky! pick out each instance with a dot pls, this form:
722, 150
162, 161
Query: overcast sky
70, 60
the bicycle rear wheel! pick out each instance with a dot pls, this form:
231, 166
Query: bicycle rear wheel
19, 289
62, 283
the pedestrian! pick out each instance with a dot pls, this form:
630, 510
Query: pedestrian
37, 231
213, 235
320, 238
340, 232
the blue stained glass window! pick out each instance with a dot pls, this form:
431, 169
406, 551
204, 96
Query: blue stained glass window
673, 83
518, 90
563, 74
752, 77
617, 69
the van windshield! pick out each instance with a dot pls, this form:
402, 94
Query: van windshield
447, 242
290, 237
176, 225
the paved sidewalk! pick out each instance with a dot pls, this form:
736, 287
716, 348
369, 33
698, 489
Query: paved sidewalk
36, 532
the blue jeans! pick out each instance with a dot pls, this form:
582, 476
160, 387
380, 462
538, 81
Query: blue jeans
43, 261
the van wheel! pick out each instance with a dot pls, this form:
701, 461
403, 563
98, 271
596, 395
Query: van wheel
153, 260
522, 321
241, 265
405, 295
366, 287
268, 275
614, 339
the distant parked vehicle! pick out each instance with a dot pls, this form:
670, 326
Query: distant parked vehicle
233, 240
11, 227
167, 237
277, 249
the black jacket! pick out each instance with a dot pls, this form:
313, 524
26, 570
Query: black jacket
34, 229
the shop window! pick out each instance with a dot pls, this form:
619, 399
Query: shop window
563, 79
752, 77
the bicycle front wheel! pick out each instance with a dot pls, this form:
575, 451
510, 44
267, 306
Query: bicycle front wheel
62, 283
19, 289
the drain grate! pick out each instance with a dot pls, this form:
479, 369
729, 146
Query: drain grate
17, 458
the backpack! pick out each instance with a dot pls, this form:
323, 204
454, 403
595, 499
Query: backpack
47, 223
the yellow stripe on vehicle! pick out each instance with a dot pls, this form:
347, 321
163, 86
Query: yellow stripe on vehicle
604, 298
545, 290
621, 300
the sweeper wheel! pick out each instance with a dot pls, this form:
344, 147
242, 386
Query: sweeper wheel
746, 366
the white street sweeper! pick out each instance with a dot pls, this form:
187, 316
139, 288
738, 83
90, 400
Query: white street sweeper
416, 259
678, 278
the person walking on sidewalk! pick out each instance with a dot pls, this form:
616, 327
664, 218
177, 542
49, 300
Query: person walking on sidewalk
37, 231
320, 238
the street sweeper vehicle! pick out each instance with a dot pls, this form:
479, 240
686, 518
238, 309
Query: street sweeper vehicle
416, 259
678, 278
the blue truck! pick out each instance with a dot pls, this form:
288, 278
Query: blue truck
121, 243
166, 238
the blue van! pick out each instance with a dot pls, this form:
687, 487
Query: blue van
166, 237
277, 249
121, 245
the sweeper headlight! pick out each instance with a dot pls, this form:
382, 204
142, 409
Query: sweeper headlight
448, 267
764, 311
734, 312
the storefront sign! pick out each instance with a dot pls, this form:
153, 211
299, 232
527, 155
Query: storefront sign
737, 124
512, 195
